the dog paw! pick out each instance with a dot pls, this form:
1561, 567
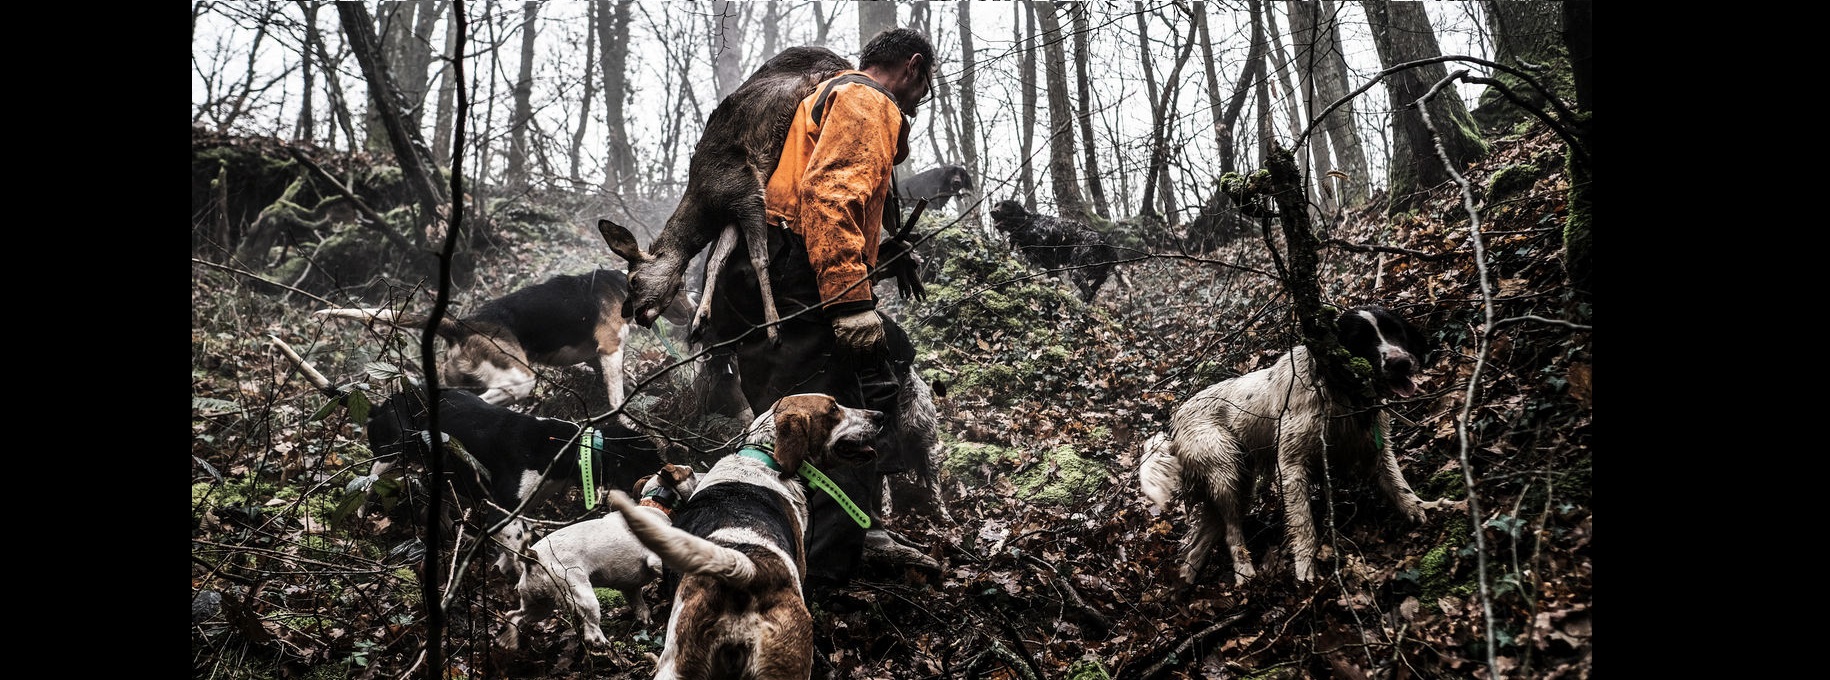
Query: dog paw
1305, 571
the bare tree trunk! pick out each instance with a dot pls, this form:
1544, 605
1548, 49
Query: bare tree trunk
772, 30
1402, 33
339, 103
1315, 41
822, 23
417, 49
1159, 144
576, 150
1527, 35
516, 177
409, 151
874, 16
1220, 219
306, 129
969, 106
1322, 201
1266, 133
1083, 73
613, 35
1028, 83
447, 91
395, 24
727, 48
1062, 178
1147, 206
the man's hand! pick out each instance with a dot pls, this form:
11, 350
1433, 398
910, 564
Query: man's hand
859, 332
905, 269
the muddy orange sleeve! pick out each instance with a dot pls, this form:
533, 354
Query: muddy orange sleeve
843, 189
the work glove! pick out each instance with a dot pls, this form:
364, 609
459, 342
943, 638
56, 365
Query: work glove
859, 332
905, 269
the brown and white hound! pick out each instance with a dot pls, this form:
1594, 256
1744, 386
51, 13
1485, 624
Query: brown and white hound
738, 543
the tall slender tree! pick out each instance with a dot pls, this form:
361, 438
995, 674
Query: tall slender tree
613, 37
409, 151
727, 47
1062, 178
1401, 31
1321, 64
1027, 38
968, 108
516, 176
1157, 177
447, 91
1084, 77
575, 151
874, 16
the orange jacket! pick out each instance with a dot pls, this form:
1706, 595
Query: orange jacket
831, 183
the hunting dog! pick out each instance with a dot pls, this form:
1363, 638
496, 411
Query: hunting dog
561, 321
1277, 423
938, 184
724, 187
520, 460
738, 544
597, 553
1065, 247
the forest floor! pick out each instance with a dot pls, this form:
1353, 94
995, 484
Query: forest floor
1052, 565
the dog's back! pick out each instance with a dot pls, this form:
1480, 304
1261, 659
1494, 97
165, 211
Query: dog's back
1072, 248
737, 546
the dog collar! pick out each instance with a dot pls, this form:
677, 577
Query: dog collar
657, 499
819, 480
760, 453
589, 442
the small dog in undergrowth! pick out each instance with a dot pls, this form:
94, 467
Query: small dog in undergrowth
564, 320
739, 543
938, 184
520, 461
1278, 424
1067, 248
597, 553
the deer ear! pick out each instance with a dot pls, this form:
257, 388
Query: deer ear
791, 441
621, 242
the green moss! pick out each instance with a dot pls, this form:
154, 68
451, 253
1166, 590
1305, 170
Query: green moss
609, 598
1437, 568
1063, 476
960, 459
1088, 669
1449, 484
1512, 180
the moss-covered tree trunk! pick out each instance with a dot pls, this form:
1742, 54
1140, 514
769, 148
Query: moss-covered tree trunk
1402, 34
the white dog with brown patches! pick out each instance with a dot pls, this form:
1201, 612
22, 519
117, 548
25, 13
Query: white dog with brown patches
738, 543
597, 553
1280, 421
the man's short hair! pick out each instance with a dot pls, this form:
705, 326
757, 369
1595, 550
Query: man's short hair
891, 47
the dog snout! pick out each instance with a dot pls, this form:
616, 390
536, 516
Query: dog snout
875, 418
1399, 363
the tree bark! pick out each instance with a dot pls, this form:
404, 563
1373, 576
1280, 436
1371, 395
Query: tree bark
409, 151
516, 177
727, 48
1319, 61
1322, 202
1083, 73
1157, 186
1027, 176
968, 110
1220, 219
1062, 179
339, 102
447, 91
576, 150
306, 129
613, 36
874, 16
1401, 31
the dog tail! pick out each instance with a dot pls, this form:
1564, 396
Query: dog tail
446, 327
683, 551
1159, 473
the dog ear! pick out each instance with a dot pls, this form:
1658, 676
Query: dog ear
793, 436
672, 475
641, 484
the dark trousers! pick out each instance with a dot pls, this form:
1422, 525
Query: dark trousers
810, 360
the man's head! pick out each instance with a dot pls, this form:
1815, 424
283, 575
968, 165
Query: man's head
902, 60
